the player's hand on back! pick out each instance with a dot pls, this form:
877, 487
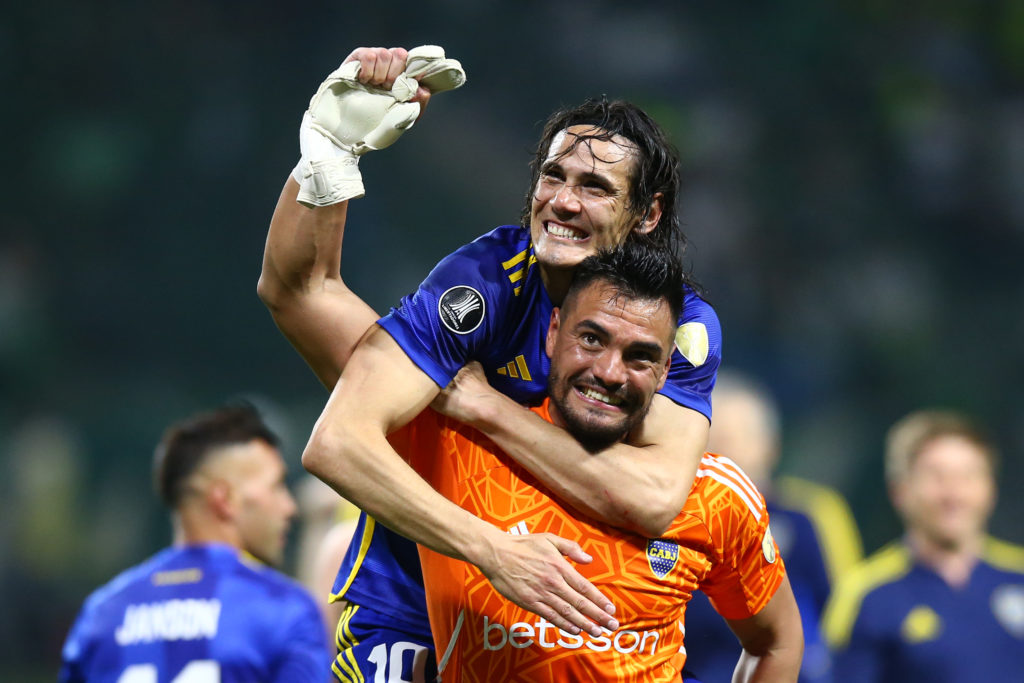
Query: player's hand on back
531, 570
363, 105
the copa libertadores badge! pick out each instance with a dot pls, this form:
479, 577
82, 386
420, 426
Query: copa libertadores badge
461, 309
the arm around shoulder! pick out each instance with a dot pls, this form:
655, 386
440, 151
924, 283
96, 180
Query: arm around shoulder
381, 390
641, 485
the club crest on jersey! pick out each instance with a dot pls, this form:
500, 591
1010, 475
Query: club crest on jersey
662, 556
461, 309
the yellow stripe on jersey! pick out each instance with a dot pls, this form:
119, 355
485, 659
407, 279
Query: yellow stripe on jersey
516, 368
515, 260
345, 666
833, 522
1003, 555
364, 545
343, 634
518, 273
887, 565
524, 371
343, 671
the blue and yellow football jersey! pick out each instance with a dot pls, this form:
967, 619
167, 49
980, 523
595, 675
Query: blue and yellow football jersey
892, 619
486, 302
197, 613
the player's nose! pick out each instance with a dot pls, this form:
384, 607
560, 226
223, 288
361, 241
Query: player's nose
609, 369
566, 200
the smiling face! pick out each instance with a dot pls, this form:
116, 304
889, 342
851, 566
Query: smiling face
609, 355
581, 199
948, 493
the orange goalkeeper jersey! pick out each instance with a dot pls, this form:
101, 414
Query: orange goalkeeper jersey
720, 543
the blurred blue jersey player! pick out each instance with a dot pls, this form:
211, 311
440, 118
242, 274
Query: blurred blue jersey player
603, 173
811, 523
207, 609
946, 602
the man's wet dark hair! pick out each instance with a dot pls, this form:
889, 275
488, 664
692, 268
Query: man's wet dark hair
186, 445
657, 162
636, 270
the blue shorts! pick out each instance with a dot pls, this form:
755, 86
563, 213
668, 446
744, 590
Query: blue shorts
375, 647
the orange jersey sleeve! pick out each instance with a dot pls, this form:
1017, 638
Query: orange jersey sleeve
746, 568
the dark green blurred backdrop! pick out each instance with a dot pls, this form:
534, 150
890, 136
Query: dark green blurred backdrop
854, 192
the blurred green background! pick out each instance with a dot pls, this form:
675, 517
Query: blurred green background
854, 193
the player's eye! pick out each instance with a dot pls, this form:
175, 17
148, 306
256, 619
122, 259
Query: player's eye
641, 358
551, 173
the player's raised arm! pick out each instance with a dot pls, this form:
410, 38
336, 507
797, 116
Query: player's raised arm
302, 286
365, 104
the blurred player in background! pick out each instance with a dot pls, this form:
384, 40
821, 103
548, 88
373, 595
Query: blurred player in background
812, 525
208, 608
327, 524
603, 173
945, 602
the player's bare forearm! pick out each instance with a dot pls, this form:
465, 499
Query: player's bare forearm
772, 640
302, 287
349, 450
382, 390
640, 486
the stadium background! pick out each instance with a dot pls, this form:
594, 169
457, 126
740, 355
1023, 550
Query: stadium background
854, 192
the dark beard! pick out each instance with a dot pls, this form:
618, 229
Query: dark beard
593, 439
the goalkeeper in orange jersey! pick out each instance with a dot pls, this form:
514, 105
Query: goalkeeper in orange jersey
609, 345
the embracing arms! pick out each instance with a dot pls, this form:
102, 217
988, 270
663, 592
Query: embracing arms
641, 485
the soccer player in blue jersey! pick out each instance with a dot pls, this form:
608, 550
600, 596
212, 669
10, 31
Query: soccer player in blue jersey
946, 602
207, 609
811, 523
603, 173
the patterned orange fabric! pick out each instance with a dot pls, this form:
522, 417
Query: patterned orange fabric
720, 542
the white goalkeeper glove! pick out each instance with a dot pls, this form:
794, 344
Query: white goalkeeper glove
346, 119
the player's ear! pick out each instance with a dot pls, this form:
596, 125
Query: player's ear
650, 220
549, 342
219, 499
664, 373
